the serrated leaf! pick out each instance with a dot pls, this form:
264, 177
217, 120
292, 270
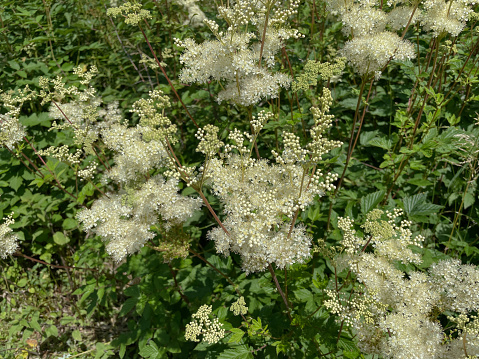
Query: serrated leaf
416, 205
370, 201
303, 295
237, 335
381, 142
129, 304
469, 200
150, 351
239, 352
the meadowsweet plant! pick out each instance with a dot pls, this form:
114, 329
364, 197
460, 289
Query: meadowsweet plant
397, 314
214, 177
372, 28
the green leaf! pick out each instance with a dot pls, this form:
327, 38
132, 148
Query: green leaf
34, 324
151, 351
239, 352
469, 200
420, 182
69, 223
303, 295
15, 182
370, 201
381, 142
60, 239
22, 282
51, 331
76, 335
237, 335
416, 205
129, 304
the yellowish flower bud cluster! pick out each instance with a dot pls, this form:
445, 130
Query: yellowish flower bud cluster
239, 307
132, 12
314, 68
212, 330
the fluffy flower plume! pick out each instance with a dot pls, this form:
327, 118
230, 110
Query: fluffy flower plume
8, 240
124, 220
396, 315
234, 56
262, 199
11, 130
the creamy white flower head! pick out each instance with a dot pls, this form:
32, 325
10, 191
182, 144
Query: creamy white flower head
394, 314
196, 16
134, 157
360, 21
369, 54
234, 58
11, 131
440, 17
399, 17
124, 220
8, 240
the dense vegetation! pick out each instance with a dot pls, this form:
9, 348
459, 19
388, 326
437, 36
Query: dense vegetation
180, 182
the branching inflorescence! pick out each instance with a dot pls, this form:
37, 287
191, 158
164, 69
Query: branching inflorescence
372, 28
396, 314
262, 199
235, 58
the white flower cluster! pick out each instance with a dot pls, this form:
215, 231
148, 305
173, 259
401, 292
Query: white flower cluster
124, 219
261, 200
396, 315
234, 56
372, 29
450, 17
81, 113
134, 157
11, 130
212, 330
8, 240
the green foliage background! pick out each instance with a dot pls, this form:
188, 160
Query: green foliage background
137, 309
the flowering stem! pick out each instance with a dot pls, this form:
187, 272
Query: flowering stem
19, 254
166, 76
285, 300
350, 147
212, 211
178, 288
264, 33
